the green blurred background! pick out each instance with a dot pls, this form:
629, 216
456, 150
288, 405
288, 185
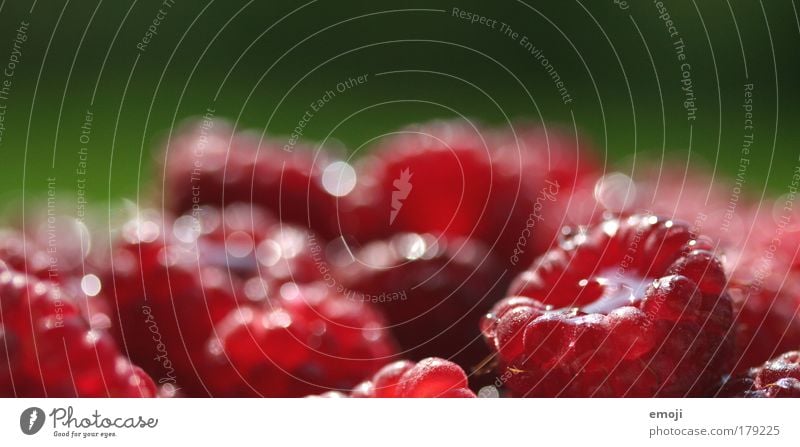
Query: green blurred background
261, 64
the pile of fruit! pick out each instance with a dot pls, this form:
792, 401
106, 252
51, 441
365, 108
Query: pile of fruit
451, 261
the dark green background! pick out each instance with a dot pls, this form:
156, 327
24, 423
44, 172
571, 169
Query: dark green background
625, 86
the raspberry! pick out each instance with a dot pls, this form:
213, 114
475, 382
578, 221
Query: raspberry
433, 292
779, 377
305, 340
456, 179
49, 350
214, 166
630, 307
430, 377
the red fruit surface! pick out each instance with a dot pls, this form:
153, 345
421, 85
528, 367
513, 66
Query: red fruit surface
306, 340
429, 378
50, 350
207, 163
630, 307
779, 377
432, 291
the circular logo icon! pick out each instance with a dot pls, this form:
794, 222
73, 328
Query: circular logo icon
31, 420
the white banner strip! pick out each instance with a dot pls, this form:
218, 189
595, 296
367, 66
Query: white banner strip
371, 422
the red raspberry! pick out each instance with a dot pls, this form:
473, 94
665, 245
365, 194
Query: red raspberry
779, 377
214, 166
630, 307
49, 350
430, 377
305, 340
455, 179
433, 292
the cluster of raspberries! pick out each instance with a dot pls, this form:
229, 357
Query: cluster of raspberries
453, 260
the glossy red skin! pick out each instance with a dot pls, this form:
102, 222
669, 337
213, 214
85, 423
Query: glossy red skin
672, 339
434, 302
303, 342
49, 349
242, 167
